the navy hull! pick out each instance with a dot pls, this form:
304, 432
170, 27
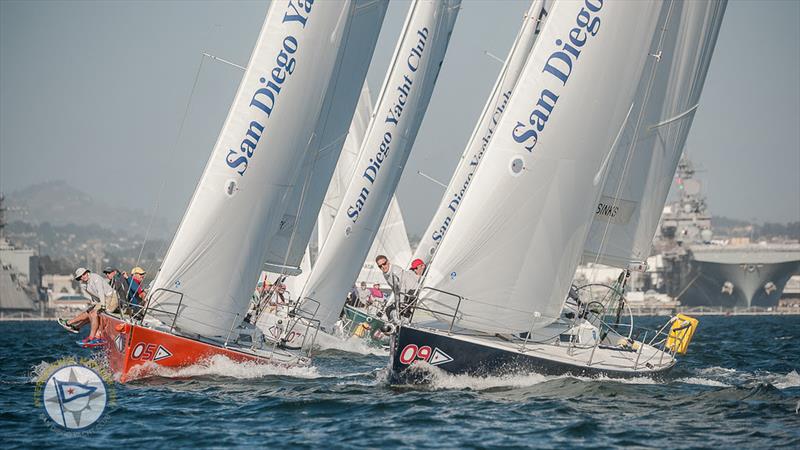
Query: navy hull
460, 357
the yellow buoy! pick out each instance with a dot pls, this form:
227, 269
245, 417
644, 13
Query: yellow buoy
681, 332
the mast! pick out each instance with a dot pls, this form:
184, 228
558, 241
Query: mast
401, 106
216, 255
512, 251
640, 174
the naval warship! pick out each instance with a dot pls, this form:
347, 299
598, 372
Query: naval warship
702, 271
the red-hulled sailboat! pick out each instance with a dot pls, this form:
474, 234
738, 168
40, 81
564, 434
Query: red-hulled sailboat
293, 107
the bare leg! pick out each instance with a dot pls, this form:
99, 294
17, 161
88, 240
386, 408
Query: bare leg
94, 320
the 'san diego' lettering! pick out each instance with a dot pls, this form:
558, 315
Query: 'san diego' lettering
559, 65
265, 97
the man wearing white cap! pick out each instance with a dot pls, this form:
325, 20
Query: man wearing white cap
103, 296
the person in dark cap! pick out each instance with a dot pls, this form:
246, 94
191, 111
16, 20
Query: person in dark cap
118, 283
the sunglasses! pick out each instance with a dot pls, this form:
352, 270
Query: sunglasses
383, 264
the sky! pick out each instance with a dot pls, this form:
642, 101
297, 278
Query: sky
95, 93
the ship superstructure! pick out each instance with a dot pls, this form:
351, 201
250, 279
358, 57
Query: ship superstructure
702, 271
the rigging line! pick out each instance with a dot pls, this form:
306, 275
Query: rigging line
175, 145
632, 147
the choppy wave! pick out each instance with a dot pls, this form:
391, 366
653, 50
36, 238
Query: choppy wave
219, 365
355, 345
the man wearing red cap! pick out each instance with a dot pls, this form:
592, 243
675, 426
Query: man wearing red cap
418, 267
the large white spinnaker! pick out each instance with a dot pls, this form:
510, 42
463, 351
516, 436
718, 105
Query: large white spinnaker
513, 248
533, 20
644, 162
216, 255
287, 246
400, 108
391, 240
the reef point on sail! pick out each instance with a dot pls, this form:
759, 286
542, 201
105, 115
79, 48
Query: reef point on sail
371, 172
559, 64
263, 99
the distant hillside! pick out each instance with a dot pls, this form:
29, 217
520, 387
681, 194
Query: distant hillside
725, 226
58, 203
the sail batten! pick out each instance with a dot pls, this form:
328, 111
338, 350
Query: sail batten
215, 258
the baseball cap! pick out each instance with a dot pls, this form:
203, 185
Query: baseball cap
109, 270
416, 263
138, 271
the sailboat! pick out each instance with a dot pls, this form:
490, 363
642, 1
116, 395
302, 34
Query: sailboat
294, 102
604, 79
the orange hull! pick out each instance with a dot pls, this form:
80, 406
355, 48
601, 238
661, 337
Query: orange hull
130, 346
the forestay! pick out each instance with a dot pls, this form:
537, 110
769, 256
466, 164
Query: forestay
286, 248
519, 234
401, 106
644, 162
484, 130
216, 256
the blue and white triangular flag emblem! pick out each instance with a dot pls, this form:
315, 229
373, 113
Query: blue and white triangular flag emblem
71, 390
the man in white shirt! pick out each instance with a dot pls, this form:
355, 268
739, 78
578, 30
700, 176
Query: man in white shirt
102, 295
403, 282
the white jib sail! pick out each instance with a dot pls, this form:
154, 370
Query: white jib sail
286, 248
644, 162
216, 255
532, 23
400, 108
513, 248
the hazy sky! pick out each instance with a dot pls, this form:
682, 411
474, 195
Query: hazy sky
94, 93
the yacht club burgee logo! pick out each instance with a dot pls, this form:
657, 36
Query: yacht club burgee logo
74, 395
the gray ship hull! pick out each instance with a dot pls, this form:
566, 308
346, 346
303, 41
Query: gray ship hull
740, 276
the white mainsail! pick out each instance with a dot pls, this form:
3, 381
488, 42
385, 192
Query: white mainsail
484, 130
513, 248
644, 163
401, 106
216, 255
287, 246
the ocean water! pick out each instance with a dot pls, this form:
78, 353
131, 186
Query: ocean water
738, 387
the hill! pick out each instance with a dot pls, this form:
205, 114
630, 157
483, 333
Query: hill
58, 203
